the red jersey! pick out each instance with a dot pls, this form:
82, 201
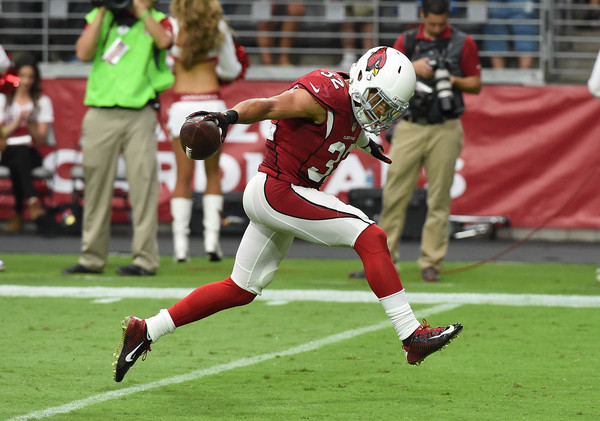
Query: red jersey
303, 153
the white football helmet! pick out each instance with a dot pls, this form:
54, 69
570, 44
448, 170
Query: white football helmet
381, 83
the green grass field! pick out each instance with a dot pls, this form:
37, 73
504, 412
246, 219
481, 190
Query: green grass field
529, 350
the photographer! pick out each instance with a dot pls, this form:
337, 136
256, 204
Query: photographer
446, 62
127, 42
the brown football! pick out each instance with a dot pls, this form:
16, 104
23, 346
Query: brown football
200, 139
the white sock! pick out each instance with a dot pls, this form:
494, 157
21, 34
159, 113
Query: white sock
398, 310
181, 211
160, 325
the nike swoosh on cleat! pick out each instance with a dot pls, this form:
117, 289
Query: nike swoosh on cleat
129, 357
448, 331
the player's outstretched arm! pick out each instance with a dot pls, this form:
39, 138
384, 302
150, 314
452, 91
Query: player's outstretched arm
294, 103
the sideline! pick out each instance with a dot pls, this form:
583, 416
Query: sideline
282, 296
197, 374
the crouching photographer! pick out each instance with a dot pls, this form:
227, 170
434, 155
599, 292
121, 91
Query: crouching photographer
447, 64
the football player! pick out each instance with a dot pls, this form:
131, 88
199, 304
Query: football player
315, 125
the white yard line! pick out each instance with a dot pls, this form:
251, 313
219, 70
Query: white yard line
244, 362
106, 294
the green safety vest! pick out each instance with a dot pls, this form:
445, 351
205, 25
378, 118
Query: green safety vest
137, 77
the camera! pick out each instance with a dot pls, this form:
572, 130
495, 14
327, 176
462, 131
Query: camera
421, 99
443, 87
114, 5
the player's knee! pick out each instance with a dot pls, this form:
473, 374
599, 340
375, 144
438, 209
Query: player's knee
240, 296
377, 234
372, 239
253, 281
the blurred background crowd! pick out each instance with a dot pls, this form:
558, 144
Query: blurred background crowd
557, 40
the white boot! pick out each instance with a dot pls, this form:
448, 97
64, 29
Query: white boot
181, 211
212, 208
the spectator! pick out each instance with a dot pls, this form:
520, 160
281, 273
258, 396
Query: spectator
203, 53
594, 80
121, 90
365, 27
431, 134
294, 10
317, 122
25, 116
512, 10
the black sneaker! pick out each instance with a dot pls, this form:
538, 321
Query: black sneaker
134, 270
134, 343
357, 275
426, 341
430, 274
79, 268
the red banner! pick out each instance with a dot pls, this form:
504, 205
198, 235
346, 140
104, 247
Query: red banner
530, 154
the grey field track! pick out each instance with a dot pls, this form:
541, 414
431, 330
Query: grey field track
467, 250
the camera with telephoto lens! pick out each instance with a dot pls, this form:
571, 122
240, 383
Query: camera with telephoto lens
114, 5
443, 87
421, 100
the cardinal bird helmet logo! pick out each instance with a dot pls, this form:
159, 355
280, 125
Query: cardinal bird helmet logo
376, 61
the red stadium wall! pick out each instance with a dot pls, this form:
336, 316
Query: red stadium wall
531, 153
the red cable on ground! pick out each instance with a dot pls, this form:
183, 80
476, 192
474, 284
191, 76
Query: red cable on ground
528, 236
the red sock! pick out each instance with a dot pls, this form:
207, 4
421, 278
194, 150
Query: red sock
209, 299
382, 276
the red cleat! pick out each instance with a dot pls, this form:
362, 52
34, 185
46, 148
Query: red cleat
426, 341
134, 343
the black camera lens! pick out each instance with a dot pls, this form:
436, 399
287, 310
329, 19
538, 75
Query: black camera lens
118, 4
114, 5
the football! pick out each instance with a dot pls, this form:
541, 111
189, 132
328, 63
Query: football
200, 139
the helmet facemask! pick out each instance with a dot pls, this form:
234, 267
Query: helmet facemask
375, 111
381, 83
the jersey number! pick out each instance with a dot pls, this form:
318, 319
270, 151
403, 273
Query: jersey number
337, 148
340, 151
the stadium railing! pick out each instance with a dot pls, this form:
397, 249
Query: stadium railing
568, 41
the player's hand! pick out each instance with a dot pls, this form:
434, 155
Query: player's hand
223, 120
375, 150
